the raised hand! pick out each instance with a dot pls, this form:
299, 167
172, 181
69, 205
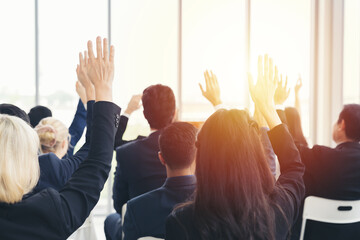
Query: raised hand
298, 85
282, 92
81, 92
134, 104
263, 92
212, 92
83, 79
100, 69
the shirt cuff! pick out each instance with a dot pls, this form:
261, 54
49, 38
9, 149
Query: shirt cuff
219, 106
126, 115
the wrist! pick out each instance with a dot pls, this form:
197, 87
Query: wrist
216, 102
103, 95
128, 112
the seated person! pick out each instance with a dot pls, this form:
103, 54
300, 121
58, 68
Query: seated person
12, 110
138, 168
334, 173
37, 113
53, 214
147, 213
236, 195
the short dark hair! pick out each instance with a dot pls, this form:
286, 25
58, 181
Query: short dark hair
351, 115
38, 113
159, 105
12, 110
177, 145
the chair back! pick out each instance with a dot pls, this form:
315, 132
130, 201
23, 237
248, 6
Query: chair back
329, 211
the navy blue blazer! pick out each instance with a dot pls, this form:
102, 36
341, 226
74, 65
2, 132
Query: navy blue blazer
77, 126
138, 169
52, 214
287, 193
55, 172
331, 173
146, 214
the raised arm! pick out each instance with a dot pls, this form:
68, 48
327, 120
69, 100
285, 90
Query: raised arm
297, 98
284, 147
81, 193
133, 105
77, 126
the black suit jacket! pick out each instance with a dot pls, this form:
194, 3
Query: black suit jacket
120, 133
146, 214
138, 169
180, 224
331, 173
52, 214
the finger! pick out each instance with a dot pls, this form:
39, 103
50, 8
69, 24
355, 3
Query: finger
287, 93
266, 66
286, 82
201, 88
112, 54
81, 60
98, 48
207, 79
77, 69
260, 67
212, 80
281, 81
271, 69
86, 58
276, 79
106, 49
90, 49
251, 84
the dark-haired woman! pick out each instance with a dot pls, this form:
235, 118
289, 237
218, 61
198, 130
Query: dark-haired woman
236, 196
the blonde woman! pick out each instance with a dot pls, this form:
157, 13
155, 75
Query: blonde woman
53, 214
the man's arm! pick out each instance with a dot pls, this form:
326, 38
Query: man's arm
120, 187
130, 228
133, 105
77, 127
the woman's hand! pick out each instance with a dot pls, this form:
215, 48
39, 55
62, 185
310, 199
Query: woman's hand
100, 69
212, 92
263, 92
282, 91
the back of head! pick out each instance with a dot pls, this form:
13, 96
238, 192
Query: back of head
293, 121
52, 133
19, 164
37, 113
351, 115
233, 178
159, 105
177, 145
13, 110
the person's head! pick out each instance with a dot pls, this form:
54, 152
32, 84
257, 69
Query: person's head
347, 128
159, 106
37, 113
13, 110
19, 164
293, 121
177, 146
233, 179
54, 136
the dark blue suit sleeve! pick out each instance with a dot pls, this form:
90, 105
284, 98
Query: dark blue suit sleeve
81, 193
77, 126
292, 170
131, 230
67, 166
120, 132
120, 187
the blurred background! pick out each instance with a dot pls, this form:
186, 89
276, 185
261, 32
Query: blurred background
173, 42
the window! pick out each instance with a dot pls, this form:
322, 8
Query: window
17, 44
213, 38
351, 84
281, 29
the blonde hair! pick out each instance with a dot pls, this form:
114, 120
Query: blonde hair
51, 133
19, 164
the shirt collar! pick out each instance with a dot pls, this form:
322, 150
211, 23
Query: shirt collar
180, 181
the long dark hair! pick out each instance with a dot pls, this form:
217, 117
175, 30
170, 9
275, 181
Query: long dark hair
233, 180
294, 124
